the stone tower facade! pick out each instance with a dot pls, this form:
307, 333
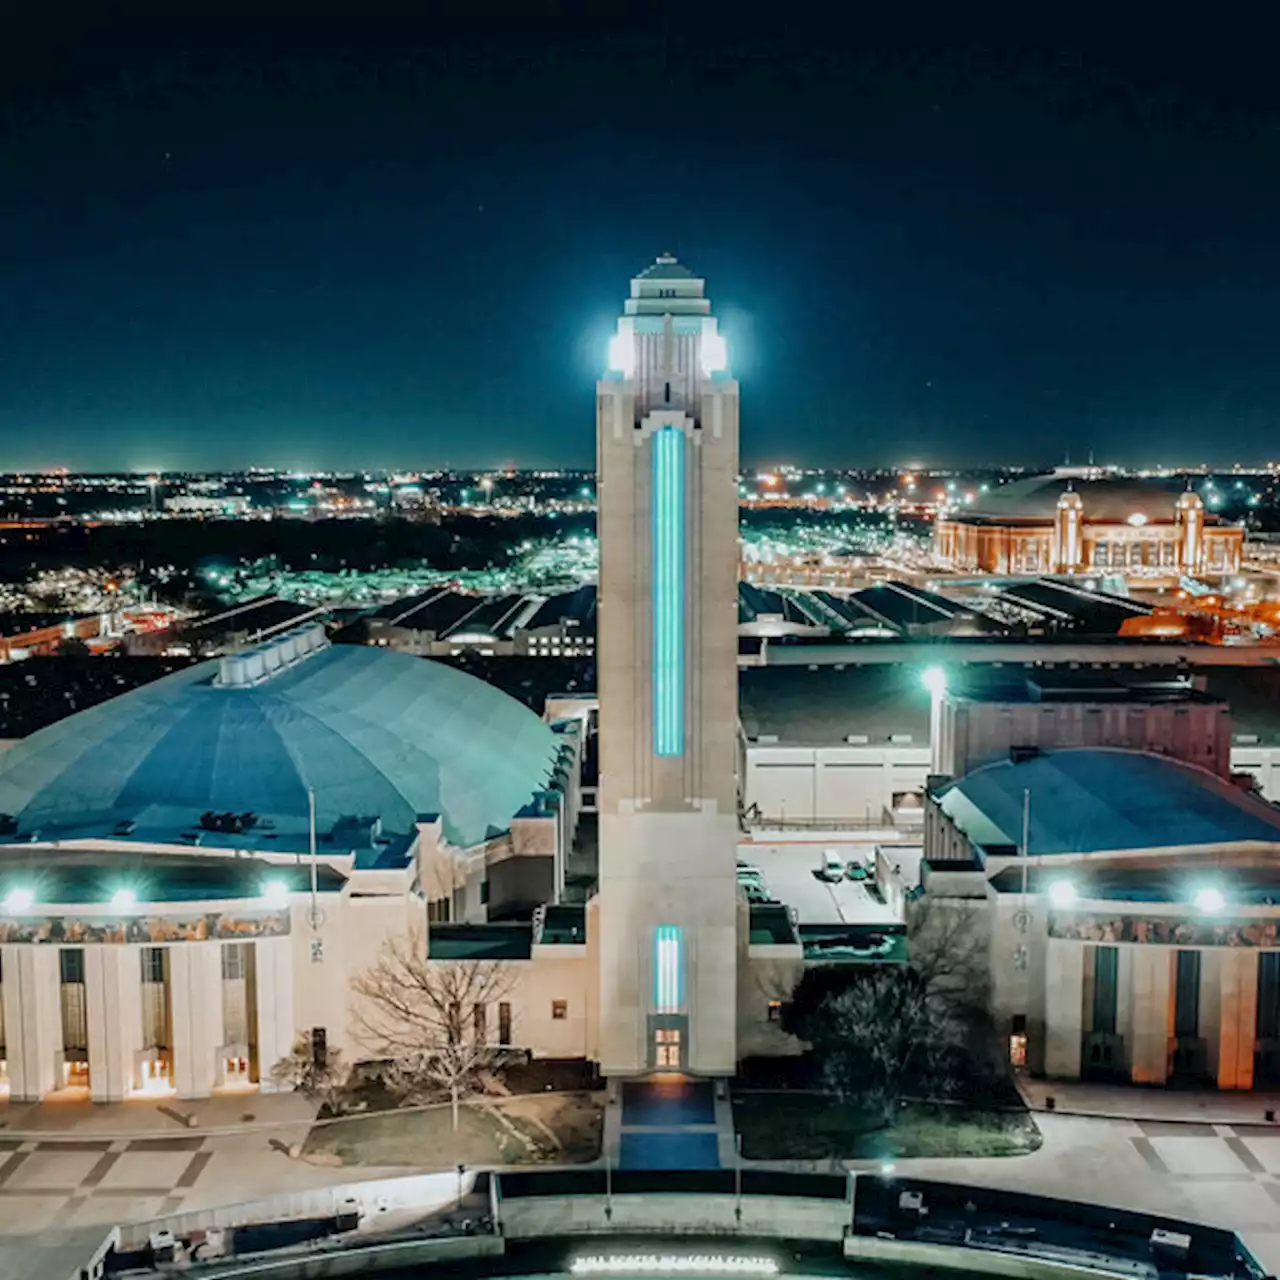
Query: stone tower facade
667, 450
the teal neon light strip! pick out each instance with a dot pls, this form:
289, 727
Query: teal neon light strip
668, 591
668, 976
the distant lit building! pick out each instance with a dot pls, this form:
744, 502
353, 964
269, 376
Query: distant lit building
203, 504
1062, 523
443, 623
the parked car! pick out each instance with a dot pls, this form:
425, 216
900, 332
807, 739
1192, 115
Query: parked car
831, 868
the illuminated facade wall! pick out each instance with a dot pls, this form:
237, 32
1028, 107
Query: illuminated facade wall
668, 592
668, 976
667, 442
1152, 549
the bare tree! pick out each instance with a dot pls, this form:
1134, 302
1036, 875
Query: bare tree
884, 1036
950, 949
320, 1076
917, 1029
430, 1018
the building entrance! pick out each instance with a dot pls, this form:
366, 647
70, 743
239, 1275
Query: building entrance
667, 1049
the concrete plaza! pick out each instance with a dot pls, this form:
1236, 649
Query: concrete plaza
1205, 1157
79, 1164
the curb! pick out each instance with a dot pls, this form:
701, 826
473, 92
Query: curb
1260, 1121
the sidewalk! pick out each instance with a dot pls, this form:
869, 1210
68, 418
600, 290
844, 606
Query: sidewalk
58, 1119
1132, 1102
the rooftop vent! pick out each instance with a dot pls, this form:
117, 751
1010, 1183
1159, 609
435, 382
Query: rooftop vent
252, 666
229, 823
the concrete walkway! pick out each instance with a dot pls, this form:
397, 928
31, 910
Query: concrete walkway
667, 1124
1129, 1102
74, 1163
143, 1118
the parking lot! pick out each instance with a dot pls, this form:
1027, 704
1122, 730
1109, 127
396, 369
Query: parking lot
789, 874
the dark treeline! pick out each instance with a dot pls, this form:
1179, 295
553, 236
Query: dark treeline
458, 542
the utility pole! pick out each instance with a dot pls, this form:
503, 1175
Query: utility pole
315, 870
1021, 955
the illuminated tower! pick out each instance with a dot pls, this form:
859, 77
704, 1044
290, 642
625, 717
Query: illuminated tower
667, 649
1189, 522
1068, 540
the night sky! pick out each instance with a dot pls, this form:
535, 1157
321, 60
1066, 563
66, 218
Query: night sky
262, 240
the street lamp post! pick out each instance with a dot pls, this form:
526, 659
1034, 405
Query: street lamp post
737, 1177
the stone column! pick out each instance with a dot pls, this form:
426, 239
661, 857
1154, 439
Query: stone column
32, 1020
113, 990
1147, 1032
195, 1002
1211, 1021
1124, 1003
1064, 1008
1237, 1018
273, 994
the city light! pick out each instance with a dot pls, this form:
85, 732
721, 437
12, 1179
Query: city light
17, 901
1062, 894
275, 893
935, 680
622, 354
713, 354
123, 899
1210, 900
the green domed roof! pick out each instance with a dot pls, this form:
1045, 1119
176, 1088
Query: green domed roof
375, 733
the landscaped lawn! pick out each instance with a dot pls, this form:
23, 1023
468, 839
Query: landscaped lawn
549, 1128
814, 1126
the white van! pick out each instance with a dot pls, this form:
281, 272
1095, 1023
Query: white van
831, 867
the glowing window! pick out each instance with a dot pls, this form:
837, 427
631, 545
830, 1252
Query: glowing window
668, 591
668, 979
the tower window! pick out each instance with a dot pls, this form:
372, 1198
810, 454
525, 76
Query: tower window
668, 977
559, 1010
668, 551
